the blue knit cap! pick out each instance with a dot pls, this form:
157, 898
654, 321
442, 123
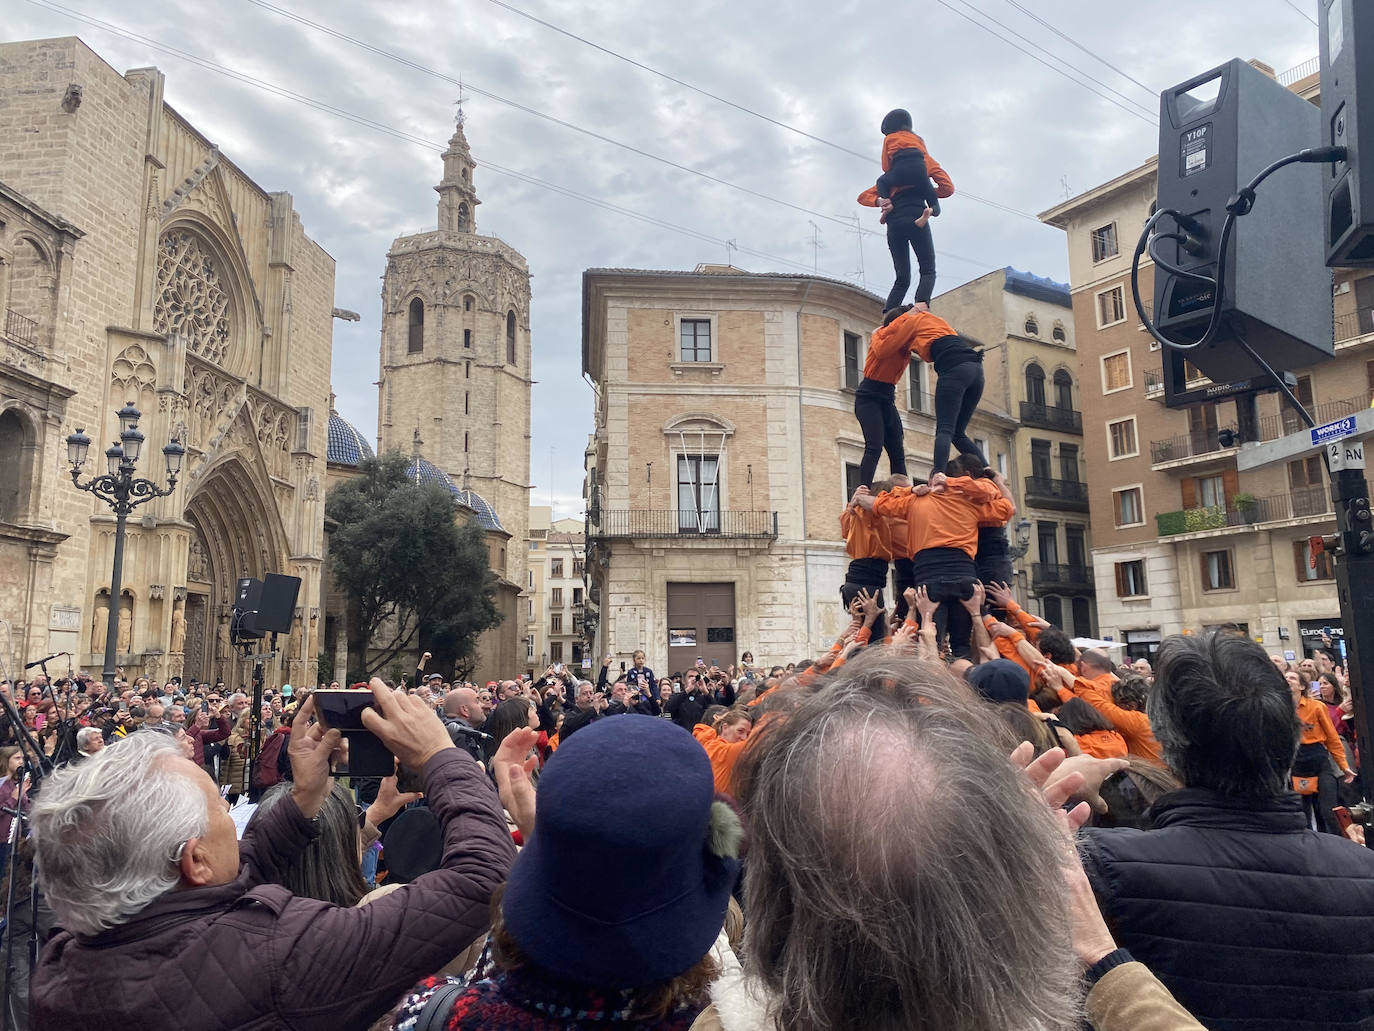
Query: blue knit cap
619, 886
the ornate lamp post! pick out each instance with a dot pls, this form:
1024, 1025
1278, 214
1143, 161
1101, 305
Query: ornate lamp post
123, 492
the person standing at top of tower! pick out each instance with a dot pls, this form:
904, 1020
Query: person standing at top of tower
958, 389
908, 194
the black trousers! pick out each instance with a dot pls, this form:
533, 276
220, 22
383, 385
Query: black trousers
957, 393
875, 406
902, 578
1315, 761
947, 575
909, 169
903, 233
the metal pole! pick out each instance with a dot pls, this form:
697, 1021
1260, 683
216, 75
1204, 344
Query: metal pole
116, 575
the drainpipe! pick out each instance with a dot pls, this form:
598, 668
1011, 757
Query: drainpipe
801, 480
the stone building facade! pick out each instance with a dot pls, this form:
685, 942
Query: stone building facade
139, 263
1031, 370
725, 449
455, 367
1183, 540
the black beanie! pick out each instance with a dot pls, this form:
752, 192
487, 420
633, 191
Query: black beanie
1000, 681
895, 121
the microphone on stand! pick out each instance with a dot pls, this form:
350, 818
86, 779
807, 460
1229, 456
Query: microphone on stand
54, 655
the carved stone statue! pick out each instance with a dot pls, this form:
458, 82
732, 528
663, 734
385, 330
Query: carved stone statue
100, 631
223, 650
178, 642
124, 643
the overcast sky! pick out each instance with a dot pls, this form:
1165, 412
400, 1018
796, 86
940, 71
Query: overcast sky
1006, 127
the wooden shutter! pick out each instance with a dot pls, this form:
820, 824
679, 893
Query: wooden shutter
1120, 581
1189, 492
1206, 579
1230, 485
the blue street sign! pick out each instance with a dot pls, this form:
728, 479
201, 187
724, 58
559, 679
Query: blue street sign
1333, 431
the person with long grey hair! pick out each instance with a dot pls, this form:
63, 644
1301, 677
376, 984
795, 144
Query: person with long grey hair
902, 873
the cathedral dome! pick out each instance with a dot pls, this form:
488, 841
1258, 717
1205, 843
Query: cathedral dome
346, 445
486, 515
421, 470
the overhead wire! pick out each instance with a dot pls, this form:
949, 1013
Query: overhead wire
1154, 93
866, 158
259, 83
847, 222
1130, 106
1301, 11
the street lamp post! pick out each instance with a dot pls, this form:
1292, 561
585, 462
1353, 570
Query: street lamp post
123, 492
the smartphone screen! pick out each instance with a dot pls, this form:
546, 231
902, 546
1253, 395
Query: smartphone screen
342, 710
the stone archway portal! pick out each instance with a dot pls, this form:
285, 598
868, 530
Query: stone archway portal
232, 536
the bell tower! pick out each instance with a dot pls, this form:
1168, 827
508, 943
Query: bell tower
455, 356
457, 194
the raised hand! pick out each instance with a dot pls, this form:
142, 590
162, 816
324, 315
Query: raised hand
924, 605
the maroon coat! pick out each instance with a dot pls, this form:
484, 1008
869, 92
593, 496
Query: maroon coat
207, 736
251, 955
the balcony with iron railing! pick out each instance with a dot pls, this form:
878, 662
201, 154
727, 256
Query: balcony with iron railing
1210, 445
1246, 512
1050, 417
1056, 578
21, 328
687, 524
1063, 495
1353, 326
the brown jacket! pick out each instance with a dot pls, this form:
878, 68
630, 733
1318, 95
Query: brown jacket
250, 955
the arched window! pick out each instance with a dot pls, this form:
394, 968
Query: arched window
510, 338
462, 218
1063, 389
1058, 333
1054, 611
467, 303
15, 467
1082, 618
1032, 327
1035, 384
417, 326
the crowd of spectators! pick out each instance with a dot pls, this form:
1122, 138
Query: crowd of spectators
960, 822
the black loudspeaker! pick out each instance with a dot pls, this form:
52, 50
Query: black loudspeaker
247, 600
278, 605
1216, 132
1347, 31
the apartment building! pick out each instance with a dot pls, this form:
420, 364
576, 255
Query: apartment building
1031, 369
557, 602
1182, 540
725, 449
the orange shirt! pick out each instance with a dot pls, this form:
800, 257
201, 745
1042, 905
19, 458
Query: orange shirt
1133, 726
723, 756
906, 140
1318, 729
891, 346
948, 519
868, 535
1102, 744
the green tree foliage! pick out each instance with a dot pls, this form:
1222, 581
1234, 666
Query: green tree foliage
411, 575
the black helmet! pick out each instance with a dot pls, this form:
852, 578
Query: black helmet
895, 121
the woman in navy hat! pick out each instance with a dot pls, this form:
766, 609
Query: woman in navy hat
640, 954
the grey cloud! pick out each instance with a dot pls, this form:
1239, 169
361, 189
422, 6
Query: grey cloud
1004, 126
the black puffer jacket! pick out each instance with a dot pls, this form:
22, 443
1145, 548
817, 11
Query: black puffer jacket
1250, 919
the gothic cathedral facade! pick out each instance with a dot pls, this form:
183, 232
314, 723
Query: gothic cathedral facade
139, 264
455, 377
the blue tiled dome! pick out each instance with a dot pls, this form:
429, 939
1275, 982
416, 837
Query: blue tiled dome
421, 470
346, 445
486, 515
